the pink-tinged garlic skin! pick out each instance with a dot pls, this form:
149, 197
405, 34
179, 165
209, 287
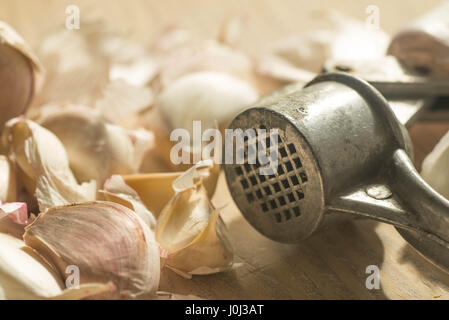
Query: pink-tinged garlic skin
106, 241
17, 83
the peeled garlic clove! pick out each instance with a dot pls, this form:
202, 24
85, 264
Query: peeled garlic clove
116, 190
156, 189
435, 168
24, 275
105, 240
19, 73
209, 97
8, 184
44, 166
96, 149
191, 232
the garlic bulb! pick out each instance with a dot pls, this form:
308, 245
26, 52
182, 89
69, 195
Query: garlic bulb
105, 240
96, 149
156, 189
191, 232
8, 184
43, 165
19, 74
209, 97
24, 275
435, 168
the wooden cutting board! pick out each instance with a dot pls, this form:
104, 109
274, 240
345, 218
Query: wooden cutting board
331, 265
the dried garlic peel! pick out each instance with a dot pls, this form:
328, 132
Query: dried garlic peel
23, 275
435, 168
105, 240
43, 161
96, 149
191, 231
156, 189
116, 190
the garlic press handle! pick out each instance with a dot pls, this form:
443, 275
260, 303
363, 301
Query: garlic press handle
402, 198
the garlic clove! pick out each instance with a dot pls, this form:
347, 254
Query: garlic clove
116, 190
435, 168
189, 229
208, 97
106, 241
96, 149
43, 164
19, 74
156, 189
8, 184
24, 275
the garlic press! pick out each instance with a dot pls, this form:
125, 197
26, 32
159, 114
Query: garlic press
340, 150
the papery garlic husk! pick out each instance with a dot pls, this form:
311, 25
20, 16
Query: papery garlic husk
194, 237
8, 183
96, 148
423, 45
333, 36
19, 74
156, 189
120, 101
76, 68
13, 218
105, 240
25, 275
205, 56
43, 164
116, 190
435, 168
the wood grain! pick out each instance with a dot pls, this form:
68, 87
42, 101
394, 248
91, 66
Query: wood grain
330, 265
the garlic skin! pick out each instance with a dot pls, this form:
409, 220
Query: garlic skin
25, 276
96, 148
19, 74
435, 168
43, 164
105, 240
189, 229
116, 190
8, 183
204, 96
333, 36
156, 189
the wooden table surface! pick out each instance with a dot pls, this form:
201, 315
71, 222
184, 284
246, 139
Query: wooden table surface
331, 265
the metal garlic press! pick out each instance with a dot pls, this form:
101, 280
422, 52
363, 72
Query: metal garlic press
340, 150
